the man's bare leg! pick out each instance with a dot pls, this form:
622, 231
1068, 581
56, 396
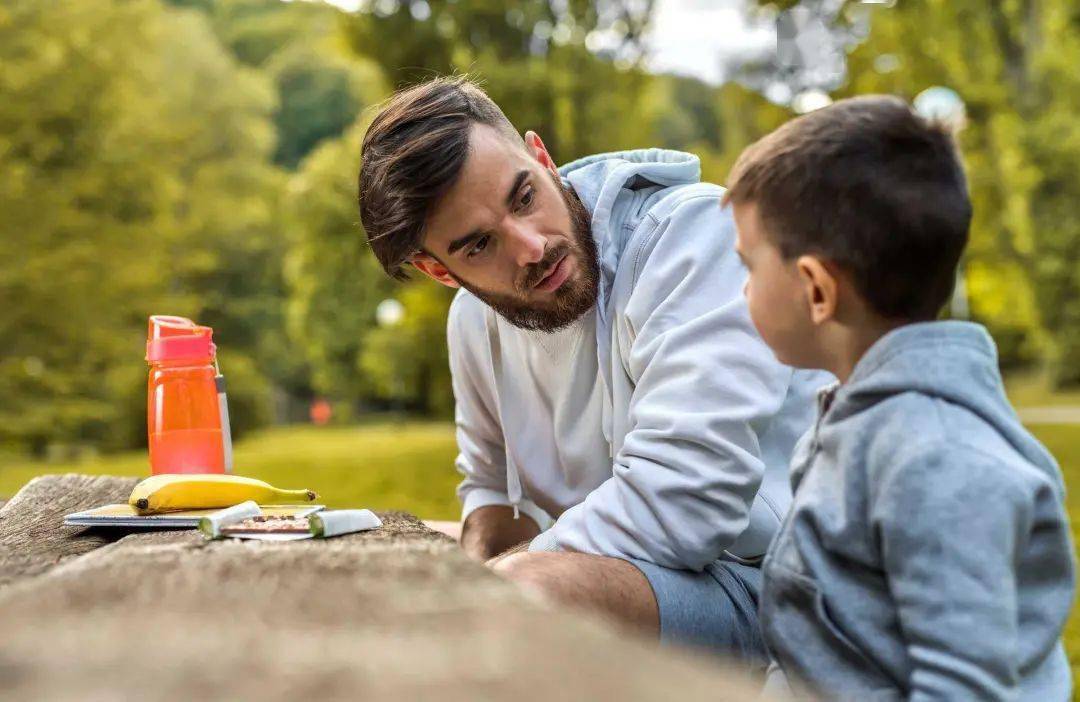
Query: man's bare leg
610, 586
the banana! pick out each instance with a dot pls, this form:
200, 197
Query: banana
171, 492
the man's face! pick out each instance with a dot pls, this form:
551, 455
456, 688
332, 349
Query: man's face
510, 233
774, 291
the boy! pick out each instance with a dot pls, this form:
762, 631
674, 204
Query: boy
927, 552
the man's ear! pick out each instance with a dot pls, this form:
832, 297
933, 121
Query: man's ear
430, 266
536, 147
820, 286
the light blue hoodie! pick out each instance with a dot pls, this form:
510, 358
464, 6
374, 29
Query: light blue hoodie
927, 552
698, 418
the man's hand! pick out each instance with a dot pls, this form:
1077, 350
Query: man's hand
492, 529
523, 547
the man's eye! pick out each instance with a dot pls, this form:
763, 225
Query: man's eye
479, 246
526, 199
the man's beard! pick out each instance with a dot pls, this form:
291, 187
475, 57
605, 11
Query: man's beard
573, 299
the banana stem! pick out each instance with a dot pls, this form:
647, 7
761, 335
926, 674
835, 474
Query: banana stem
304, 495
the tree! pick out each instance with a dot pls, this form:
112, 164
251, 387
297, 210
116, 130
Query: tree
533, 60
320, 94
407, 362
1014, 65
255, 30
131, 148
334, 280
320, 88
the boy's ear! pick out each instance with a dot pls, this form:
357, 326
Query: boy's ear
536, 147
430, 266
820, 286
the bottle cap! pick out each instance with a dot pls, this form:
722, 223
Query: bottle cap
171, 338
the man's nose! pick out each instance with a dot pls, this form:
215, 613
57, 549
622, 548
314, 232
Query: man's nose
527, 245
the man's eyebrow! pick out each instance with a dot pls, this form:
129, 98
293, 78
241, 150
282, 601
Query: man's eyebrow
518, 180
462, 242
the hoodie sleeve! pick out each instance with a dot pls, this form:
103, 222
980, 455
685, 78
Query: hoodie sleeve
481, 452
704, 385
951, 525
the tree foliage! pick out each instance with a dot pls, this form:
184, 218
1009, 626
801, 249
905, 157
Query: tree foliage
1014, 64
199, 157
133, 154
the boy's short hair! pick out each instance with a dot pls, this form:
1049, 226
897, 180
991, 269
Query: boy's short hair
412, 154
872, 186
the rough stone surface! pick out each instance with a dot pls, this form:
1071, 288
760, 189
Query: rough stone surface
32, 535
398, 613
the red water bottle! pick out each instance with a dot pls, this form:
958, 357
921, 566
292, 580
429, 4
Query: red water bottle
187, 415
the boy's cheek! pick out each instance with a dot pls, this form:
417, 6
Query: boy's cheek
752, 303
771, 322
758, 313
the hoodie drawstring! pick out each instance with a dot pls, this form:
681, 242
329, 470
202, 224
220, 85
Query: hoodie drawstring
513, 485
513, 477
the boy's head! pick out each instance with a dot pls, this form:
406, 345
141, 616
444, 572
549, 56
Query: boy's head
854, 215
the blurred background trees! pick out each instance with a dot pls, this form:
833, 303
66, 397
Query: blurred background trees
1014, 63
198, 157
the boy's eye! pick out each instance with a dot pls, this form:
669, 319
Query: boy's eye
478, 247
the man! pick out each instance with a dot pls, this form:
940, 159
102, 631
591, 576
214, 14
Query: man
616, 409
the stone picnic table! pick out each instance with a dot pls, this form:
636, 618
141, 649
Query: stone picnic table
398, 613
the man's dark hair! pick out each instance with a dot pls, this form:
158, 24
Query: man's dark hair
413, 153
872, 186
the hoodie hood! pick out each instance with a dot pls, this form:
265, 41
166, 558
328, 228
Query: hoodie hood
953, 361
615, 187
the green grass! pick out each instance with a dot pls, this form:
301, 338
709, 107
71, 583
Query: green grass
407, 465
1030, 390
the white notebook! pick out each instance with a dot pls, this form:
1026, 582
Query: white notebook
127, 516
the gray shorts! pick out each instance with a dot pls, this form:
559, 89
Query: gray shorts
715, 610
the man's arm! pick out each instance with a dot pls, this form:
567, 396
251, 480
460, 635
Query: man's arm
489, 527
491, 530
704, 384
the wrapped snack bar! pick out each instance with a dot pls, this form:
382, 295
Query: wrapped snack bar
342, 521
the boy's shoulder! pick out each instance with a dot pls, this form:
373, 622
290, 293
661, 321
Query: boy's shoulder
919, 434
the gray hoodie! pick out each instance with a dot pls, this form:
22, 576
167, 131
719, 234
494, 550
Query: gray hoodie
927, 551
694, 419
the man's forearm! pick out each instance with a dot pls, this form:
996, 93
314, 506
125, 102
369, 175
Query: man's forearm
492, 529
